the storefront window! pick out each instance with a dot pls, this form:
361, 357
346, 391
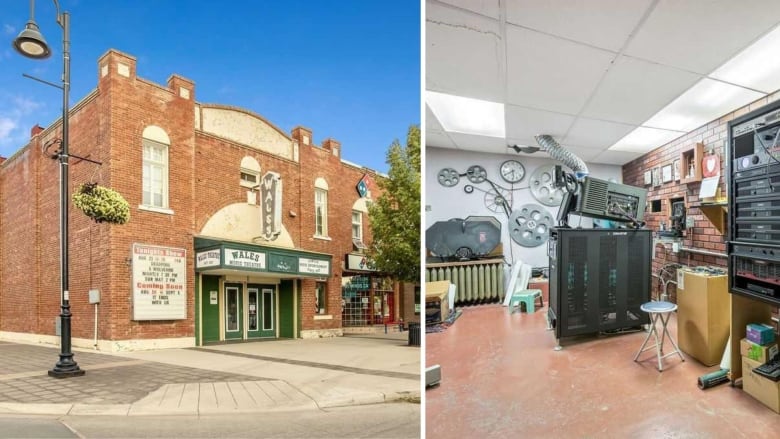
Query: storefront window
321, 298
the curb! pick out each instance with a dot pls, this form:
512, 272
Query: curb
8, 408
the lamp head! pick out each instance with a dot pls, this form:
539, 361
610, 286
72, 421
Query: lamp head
31, 43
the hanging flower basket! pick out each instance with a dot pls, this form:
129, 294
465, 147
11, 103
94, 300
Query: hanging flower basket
101, 204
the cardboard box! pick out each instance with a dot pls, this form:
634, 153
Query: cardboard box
437, 295
761, 388
757, 352
760, 333
703, 317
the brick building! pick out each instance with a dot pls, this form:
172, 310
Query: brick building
237, 230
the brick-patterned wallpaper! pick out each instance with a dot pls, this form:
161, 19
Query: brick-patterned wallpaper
703, 236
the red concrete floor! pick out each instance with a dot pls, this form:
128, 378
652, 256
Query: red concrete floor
502, 378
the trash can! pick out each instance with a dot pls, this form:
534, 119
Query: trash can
414, 334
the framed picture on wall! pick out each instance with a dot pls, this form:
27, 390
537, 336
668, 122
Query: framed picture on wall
656, 176
648, 177
666, 173
676, 170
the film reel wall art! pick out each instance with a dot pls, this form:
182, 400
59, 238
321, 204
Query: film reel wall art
530, 224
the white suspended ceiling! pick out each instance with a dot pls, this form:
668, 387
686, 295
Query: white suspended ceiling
608, 79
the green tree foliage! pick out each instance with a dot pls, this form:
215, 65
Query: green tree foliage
395, 216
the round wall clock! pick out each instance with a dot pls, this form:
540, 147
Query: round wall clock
512, 171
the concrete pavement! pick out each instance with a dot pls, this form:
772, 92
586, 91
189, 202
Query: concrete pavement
279, 375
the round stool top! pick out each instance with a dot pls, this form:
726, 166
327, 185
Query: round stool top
658, 307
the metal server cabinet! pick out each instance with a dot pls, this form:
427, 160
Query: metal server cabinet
598, 279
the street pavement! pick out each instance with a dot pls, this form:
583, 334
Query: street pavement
265, 376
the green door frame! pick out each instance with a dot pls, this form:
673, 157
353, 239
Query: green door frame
268, 313
234, 311
253, 308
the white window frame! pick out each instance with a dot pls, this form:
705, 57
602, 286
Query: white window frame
250, 167
249, 184
357, 225
321, 203
148, 166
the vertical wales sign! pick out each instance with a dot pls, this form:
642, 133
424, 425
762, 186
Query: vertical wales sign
271, 205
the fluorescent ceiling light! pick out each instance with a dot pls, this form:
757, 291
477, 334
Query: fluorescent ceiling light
644, 139
757, 67
468, 116
700, 104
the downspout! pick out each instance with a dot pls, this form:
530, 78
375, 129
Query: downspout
563, 155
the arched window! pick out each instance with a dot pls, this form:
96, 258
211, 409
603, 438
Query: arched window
321, 208
155, 168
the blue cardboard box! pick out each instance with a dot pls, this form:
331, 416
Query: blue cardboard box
760, 333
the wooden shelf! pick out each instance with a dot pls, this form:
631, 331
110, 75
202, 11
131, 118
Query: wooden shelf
691, 156
716, 213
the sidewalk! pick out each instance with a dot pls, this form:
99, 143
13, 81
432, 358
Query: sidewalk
279, 375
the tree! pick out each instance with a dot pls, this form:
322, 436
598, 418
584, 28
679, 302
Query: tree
395, 216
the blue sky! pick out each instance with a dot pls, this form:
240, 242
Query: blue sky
346, 69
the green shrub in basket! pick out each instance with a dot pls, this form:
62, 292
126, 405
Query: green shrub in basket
101, 204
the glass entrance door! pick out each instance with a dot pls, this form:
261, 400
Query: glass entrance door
253, 313
261, 311
233, 312
268, 317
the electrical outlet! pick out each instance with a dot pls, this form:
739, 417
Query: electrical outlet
427, 207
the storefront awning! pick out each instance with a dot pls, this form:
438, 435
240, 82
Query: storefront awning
218, 256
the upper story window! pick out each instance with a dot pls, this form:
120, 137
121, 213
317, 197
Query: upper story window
357, 225
250, 172
321, 208
155, 168
359, 208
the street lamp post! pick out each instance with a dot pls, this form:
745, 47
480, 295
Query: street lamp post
31, 44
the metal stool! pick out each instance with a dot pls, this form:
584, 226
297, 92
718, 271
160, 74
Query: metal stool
659, 311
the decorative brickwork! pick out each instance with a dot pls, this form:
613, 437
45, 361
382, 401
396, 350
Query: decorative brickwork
704, 235
204, 177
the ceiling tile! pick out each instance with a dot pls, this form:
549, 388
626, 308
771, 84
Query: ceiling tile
488, 8
633, 90
431, 121
549, 73
616, 157
450, 35
599, 134
586, 154
470, 142
438, 139
522, 124
700, 35
602, 23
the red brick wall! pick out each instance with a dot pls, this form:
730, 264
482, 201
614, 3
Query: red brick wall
20, 228
135, 104
703, 235
342, 179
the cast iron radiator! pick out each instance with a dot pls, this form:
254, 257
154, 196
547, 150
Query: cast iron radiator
477, 282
